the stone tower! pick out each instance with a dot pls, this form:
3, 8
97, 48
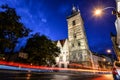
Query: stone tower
78, 46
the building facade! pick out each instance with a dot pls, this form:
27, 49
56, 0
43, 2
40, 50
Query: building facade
101, 62
74, 49
116, 38
117, 23
63, 59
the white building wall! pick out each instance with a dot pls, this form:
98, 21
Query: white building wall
63, 59
117, 23
60, 46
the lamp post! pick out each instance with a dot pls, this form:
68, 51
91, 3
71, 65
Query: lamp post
110, 55
99, 11
116, 11
109, 51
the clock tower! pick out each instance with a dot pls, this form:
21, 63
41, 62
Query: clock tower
78, 46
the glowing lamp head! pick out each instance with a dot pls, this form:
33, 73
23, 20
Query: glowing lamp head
108, 51
98, 12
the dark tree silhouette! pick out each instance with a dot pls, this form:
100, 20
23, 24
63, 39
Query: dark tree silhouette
11, 29
42, 51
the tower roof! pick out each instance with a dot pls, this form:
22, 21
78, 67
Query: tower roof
62, 42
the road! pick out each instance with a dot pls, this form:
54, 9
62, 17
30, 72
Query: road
20, 75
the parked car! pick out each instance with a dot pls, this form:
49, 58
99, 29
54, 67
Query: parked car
116, 70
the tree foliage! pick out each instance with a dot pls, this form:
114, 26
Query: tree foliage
42, 51
10, 29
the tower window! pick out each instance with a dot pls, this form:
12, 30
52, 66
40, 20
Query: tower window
72, 45
73, 22
74, 35
78, 43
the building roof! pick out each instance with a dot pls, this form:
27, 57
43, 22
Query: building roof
72, 15
62, 42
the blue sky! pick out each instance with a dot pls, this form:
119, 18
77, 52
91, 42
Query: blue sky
49, 17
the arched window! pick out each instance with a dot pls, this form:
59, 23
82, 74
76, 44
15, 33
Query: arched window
74, 35
73, 22
79, 44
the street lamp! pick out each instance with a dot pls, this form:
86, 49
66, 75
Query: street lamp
3, 58
99, 11
104, 62
109, 51
110, 55
104, 59
116, 11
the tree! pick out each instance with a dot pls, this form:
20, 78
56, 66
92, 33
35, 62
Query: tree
41, 50
11, 29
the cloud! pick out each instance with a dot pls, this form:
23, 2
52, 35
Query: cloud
44, 20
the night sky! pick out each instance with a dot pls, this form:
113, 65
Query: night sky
49, 17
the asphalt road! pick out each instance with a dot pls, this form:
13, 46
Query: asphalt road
20, 75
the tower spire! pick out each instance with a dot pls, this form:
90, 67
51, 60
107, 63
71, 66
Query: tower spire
74, 9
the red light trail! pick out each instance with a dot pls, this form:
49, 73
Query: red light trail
21, 65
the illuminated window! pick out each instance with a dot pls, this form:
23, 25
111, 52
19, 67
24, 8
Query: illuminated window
73, 22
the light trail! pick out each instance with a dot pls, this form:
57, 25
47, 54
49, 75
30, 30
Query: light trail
33, 67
